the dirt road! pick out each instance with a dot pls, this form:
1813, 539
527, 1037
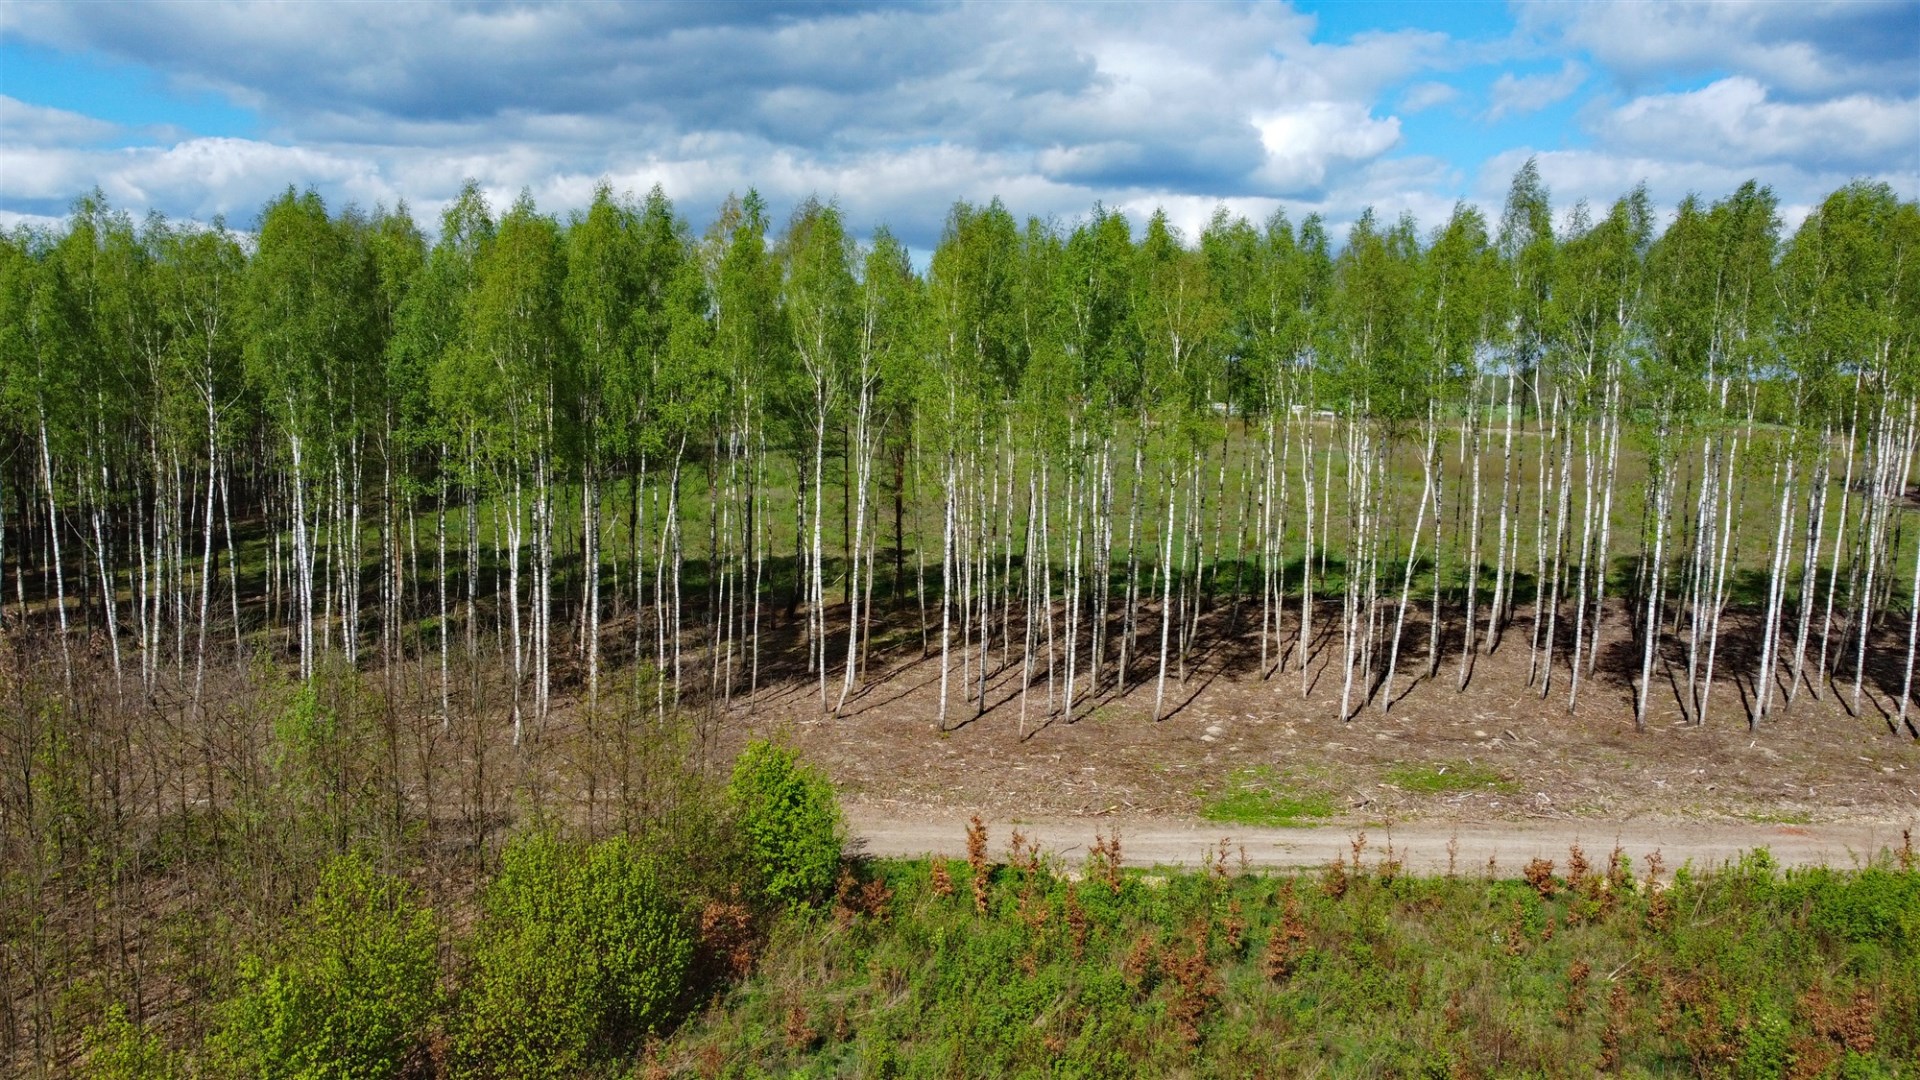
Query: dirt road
1422, 846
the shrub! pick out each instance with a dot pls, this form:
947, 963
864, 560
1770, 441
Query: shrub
119, 1049
1765, 1052
351, 991
1875, 904
790, 821
579, 949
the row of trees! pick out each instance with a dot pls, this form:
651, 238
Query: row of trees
1079, 459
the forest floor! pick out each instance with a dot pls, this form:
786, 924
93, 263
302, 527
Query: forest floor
1509, 773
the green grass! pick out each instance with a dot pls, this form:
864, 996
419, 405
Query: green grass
1779, 817
1261, 796
1422, 779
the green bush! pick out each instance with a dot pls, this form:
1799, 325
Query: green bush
350, 992
1766, 1048
790, 820
1875, 904
580, 950
119, 1049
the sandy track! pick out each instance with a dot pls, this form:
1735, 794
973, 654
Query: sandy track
1421, 846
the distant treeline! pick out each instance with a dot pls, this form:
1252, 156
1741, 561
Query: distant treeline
605, 440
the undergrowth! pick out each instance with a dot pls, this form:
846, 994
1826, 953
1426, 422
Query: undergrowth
1590, 966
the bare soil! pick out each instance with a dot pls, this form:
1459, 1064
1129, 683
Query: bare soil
1811, 773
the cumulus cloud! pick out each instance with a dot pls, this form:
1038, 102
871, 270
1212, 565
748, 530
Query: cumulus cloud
1307, 144
1801, 48
1069, 102
1512, 93
1735, 119
898, 110
26, 124
1427, 95
198, 178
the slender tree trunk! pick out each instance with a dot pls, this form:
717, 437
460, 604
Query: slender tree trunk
1913, 646
1810, 560
1166, 597
1497, 607
1560, 512
1306, 556
53, 533
946, 593
1651, 625
1604, 551
863, 469
514, 527
1406, 580
1777, 561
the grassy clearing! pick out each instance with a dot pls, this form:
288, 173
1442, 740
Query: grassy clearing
1266, 797
1448, 777
955, 969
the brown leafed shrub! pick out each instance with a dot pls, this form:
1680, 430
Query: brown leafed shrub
1078, 925
1195, 986
1659, 911
1216, 859
1334, 882
1023, 854
1691, 1010
1390, 865
1234, 929
1811, 1058
1539, 874
842, 1027
942, 881
1142, 964
1619, 1004
1035, 908
1659, 904
1850, 1026
726, 937
1104, 861
800, 1034
1517, 930
1577, 868
977, 859
854, 898
1288, 944
1619, 877
1576, 1006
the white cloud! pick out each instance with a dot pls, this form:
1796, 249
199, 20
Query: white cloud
899, 110
1307, 143
1427, 95
13, 219
25, 124
1801, 48
198, 178
1735, 119
1062, 102
1512, 93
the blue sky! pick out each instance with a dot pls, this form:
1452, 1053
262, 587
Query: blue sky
199, 109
